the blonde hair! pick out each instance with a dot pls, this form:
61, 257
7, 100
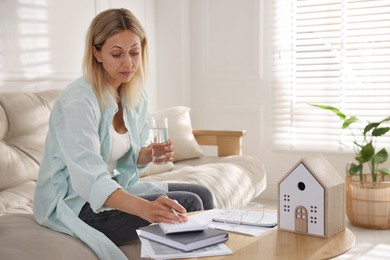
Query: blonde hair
103, 26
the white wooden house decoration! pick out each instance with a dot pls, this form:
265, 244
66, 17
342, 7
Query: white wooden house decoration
312, 199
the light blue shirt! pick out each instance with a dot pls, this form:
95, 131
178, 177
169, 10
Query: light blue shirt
74, 167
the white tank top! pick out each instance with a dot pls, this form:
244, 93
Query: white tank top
120, 144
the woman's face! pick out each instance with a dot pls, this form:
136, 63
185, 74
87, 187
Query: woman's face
120, 57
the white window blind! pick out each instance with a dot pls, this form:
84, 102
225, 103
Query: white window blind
330, 52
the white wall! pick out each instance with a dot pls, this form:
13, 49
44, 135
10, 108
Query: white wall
173, 53
212, 55
42, 41
39, 43
227, 79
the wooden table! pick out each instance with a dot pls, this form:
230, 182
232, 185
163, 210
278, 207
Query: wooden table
278, 244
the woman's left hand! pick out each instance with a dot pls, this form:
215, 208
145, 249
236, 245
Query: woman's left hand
145, 154
168, 147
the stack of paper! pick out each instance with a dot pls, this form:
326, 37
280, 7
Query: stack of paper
150, 249
154, 248
189, 239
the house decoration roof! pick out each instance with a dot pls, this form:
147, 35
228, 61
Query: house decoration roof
321, 170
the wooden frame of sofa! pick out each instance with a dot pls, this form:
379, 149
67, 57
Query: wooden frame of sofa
228, 142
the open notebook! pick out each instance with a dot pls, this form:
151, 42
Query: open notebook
191, 225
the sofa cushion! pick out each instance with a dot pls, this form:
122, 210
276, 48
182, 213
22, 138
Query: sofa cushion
23, 134
180, 131
18, 199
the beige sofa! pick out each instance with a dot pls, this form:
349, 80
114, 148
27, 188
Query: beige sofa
233, 179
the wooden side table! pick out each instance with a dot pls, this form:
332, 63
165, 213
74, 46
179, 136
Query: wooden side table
278, 244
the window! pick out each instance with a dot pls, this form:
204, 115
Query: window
332, 52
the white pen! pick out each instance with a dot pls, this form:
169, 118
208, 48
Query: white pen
173, 210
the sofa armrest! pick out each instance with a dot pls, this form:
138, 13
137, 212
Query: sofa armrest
228, 142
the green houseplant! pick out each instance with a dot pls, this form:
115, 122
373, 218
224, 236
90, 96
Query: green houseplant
365, 150
367, 199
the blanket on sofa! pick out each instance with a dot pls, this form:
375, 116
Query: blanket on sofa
233, 180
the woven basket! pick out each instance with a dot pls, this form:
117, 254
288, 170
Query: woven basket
368, 203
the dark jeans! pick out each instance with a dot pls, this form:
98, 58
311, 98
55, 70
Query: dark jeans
120, 227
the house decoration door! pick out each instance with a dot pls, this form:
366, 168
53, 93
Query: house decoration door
301, 219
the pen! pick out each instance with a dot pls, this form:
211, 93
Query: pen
173, 210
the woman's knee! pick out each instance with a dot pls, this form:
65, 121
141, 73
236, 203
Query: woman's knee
189, 200
203, 192
193, 202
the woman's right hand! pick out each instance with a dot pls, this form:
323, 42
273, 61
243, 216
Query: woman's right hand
160, 210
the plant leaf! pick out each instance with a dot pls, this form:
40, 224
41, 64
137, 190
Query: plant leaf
384, 171
333, 109
366, 153
380, 131
369, 127
381, 156
355, 168
386, 119
349, 121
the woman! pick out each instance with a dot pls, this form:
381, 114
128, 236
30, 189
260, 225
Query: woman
88, 184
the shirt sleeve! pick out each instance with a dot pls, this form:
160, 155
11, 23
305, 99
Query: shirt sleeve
77, 127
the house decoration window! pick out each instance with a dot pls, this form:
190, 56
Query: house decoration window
331, 52
300, 213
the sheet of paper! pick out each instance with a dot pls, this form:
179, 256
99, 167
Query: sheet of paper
241, 229
206, 216
158, 251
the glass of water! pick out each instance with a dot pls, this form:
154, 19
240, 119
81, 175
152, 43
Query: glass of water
159, 137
